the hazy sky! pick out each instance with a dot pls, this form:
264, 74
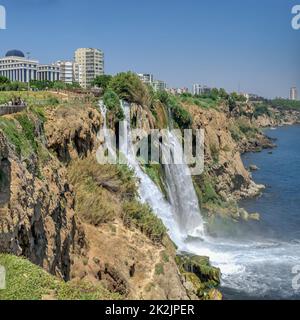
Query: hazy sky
215, 42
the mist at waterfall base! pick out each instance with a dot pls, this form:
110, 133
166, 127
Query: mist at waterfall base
255, 259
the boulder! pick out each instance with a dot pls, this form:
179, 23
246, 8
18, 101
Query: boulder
198, 271
253, 167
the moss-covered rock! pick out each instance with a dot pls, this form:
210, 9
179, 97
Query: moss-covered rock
198, 271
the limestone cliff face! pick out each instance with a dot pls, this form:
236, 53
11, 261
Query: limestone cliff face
222, 154
38, 218
72, 132
278, 117
128, 262
36, 211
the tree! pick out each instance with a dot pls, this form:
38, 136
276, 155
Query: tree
59, 85
112, 103
214, 94
102, 81
4, 80
223, 94
129, 87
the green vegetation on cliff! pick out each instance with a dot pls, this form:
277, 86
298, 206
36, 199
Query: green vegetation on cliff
285, 104
106, 192
112, 102
142, 216
177, 112
200, 273
26, 281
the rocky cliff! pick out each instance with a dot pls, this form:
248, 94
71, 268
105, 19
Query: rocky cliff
87, 230
36, 210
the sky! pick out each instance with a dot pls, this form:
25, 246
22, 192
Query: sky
246, 44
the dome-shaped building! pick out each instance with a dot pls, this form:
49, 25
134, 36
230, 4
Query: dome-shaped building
15, 53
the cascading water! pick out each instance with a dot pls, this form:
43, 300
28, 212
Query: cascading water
250, 268
170, 213
180, 188
106, 134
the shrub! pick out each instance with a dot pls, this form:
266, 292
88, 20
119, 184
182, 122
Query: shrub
261, 110
159, 269
28, 129
102, 81
112, 102
141, 216
179, 114
129, 87
215, 153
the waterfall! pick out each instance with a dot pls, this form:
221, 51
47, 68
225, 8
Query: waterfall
110, 145
181, 214
181, 191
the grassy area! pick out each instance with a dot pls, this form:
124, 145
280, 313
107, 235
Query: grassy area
202, 102
26, 281
31, 98
100, 189
106, 192
16, 136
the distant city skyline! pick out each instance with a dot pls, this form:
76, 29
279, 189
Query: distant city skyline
238, 45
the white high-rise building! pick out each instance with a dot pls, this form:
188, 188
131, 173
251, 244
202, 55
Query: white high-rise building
159, 85
146, 78
199, 89
293, 93
66, 71
77, 72
91, 65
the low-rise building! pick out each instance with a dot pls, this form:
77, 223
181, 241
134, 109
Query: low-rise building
48, 72
16, 67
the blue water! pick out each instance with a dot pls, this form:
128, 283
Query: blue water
257, 258
279, 205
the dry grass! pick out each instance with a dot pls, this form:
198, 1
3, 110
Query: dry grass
100, 189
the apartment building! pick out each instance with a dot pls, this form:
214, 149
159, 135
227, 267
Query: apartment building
146, 78
293, 93
199, 89
159, 85
66, 71
90, 65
